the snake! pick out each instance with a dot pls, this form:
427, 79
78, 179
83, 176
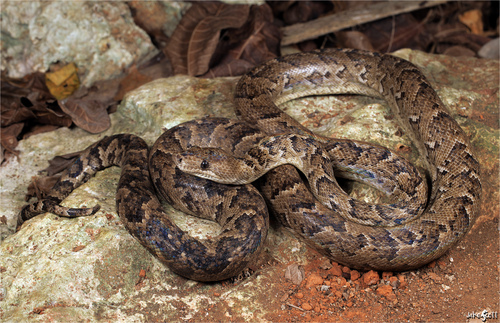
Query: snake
442, 206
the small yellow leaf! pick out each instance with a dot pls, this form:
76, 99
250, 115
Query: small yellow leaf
473, 20
63, 82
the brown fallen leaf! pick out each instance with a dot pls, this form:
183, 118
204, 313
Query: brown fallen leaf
240, 49
390, 34
157, 67
50, 113
353, 39
28, 101
40, 186
302, 11
60, 163
195, 39
88, 114
8, 137
16, 113
133, 80
40, 128
295, 273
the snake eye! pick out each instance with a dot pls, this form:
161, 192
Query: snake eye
204, 164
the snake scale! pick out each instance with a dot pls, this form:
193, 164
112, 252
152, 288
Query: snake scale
424, 233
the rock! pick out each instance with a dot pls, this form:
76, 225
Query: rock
355, 275
325, 265
386, 275
490, 49
306, 307
370, 278
99, 37
394, 282
386, 291
434, 277
441, 264
313, 280
336, 270
166, 14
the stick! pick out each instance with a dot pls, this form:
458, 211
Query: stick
338, 21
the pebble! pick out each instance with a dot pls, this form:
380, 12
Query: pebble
386, 291
370, 278
394, 282
306, 307
434, 277
355, 275
324, 288
314, 280
336, 270
325, 265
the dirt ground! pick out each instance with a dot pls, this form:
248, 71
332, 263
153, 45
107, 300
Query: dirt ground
458, 287
463, 281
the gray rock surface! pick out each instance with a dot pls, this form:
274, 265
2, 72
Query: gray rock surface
99, 37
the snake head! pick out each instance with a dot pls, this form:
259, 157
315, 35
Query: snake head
210, 163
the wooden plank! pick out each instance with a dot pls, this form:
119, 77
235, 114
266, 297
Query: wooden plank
345, 19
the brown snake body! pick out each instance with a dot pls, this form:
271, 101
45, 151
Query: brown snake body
402, 244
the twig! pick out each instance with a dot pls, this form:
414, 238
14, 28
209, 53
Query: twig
393, 30
299, 308
345, 19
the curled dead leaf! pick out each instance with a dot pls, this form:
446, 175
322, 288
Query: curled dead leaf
9, 135
295, 273
195, 39
88, 114
60, 163
258, 40
40, 186
353, 39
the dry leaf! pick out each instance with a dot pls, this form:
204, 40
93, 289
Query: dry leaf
40, 128
240, 49
88, 114
133, 80
63, 82
16, 113
474, 20
40, 186
295, 273
9, 136
60, 163
193, 42
353, 39
29, 100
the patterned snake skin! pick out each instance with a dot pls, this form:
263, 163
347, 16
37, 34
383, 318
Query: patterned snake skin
347, 235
